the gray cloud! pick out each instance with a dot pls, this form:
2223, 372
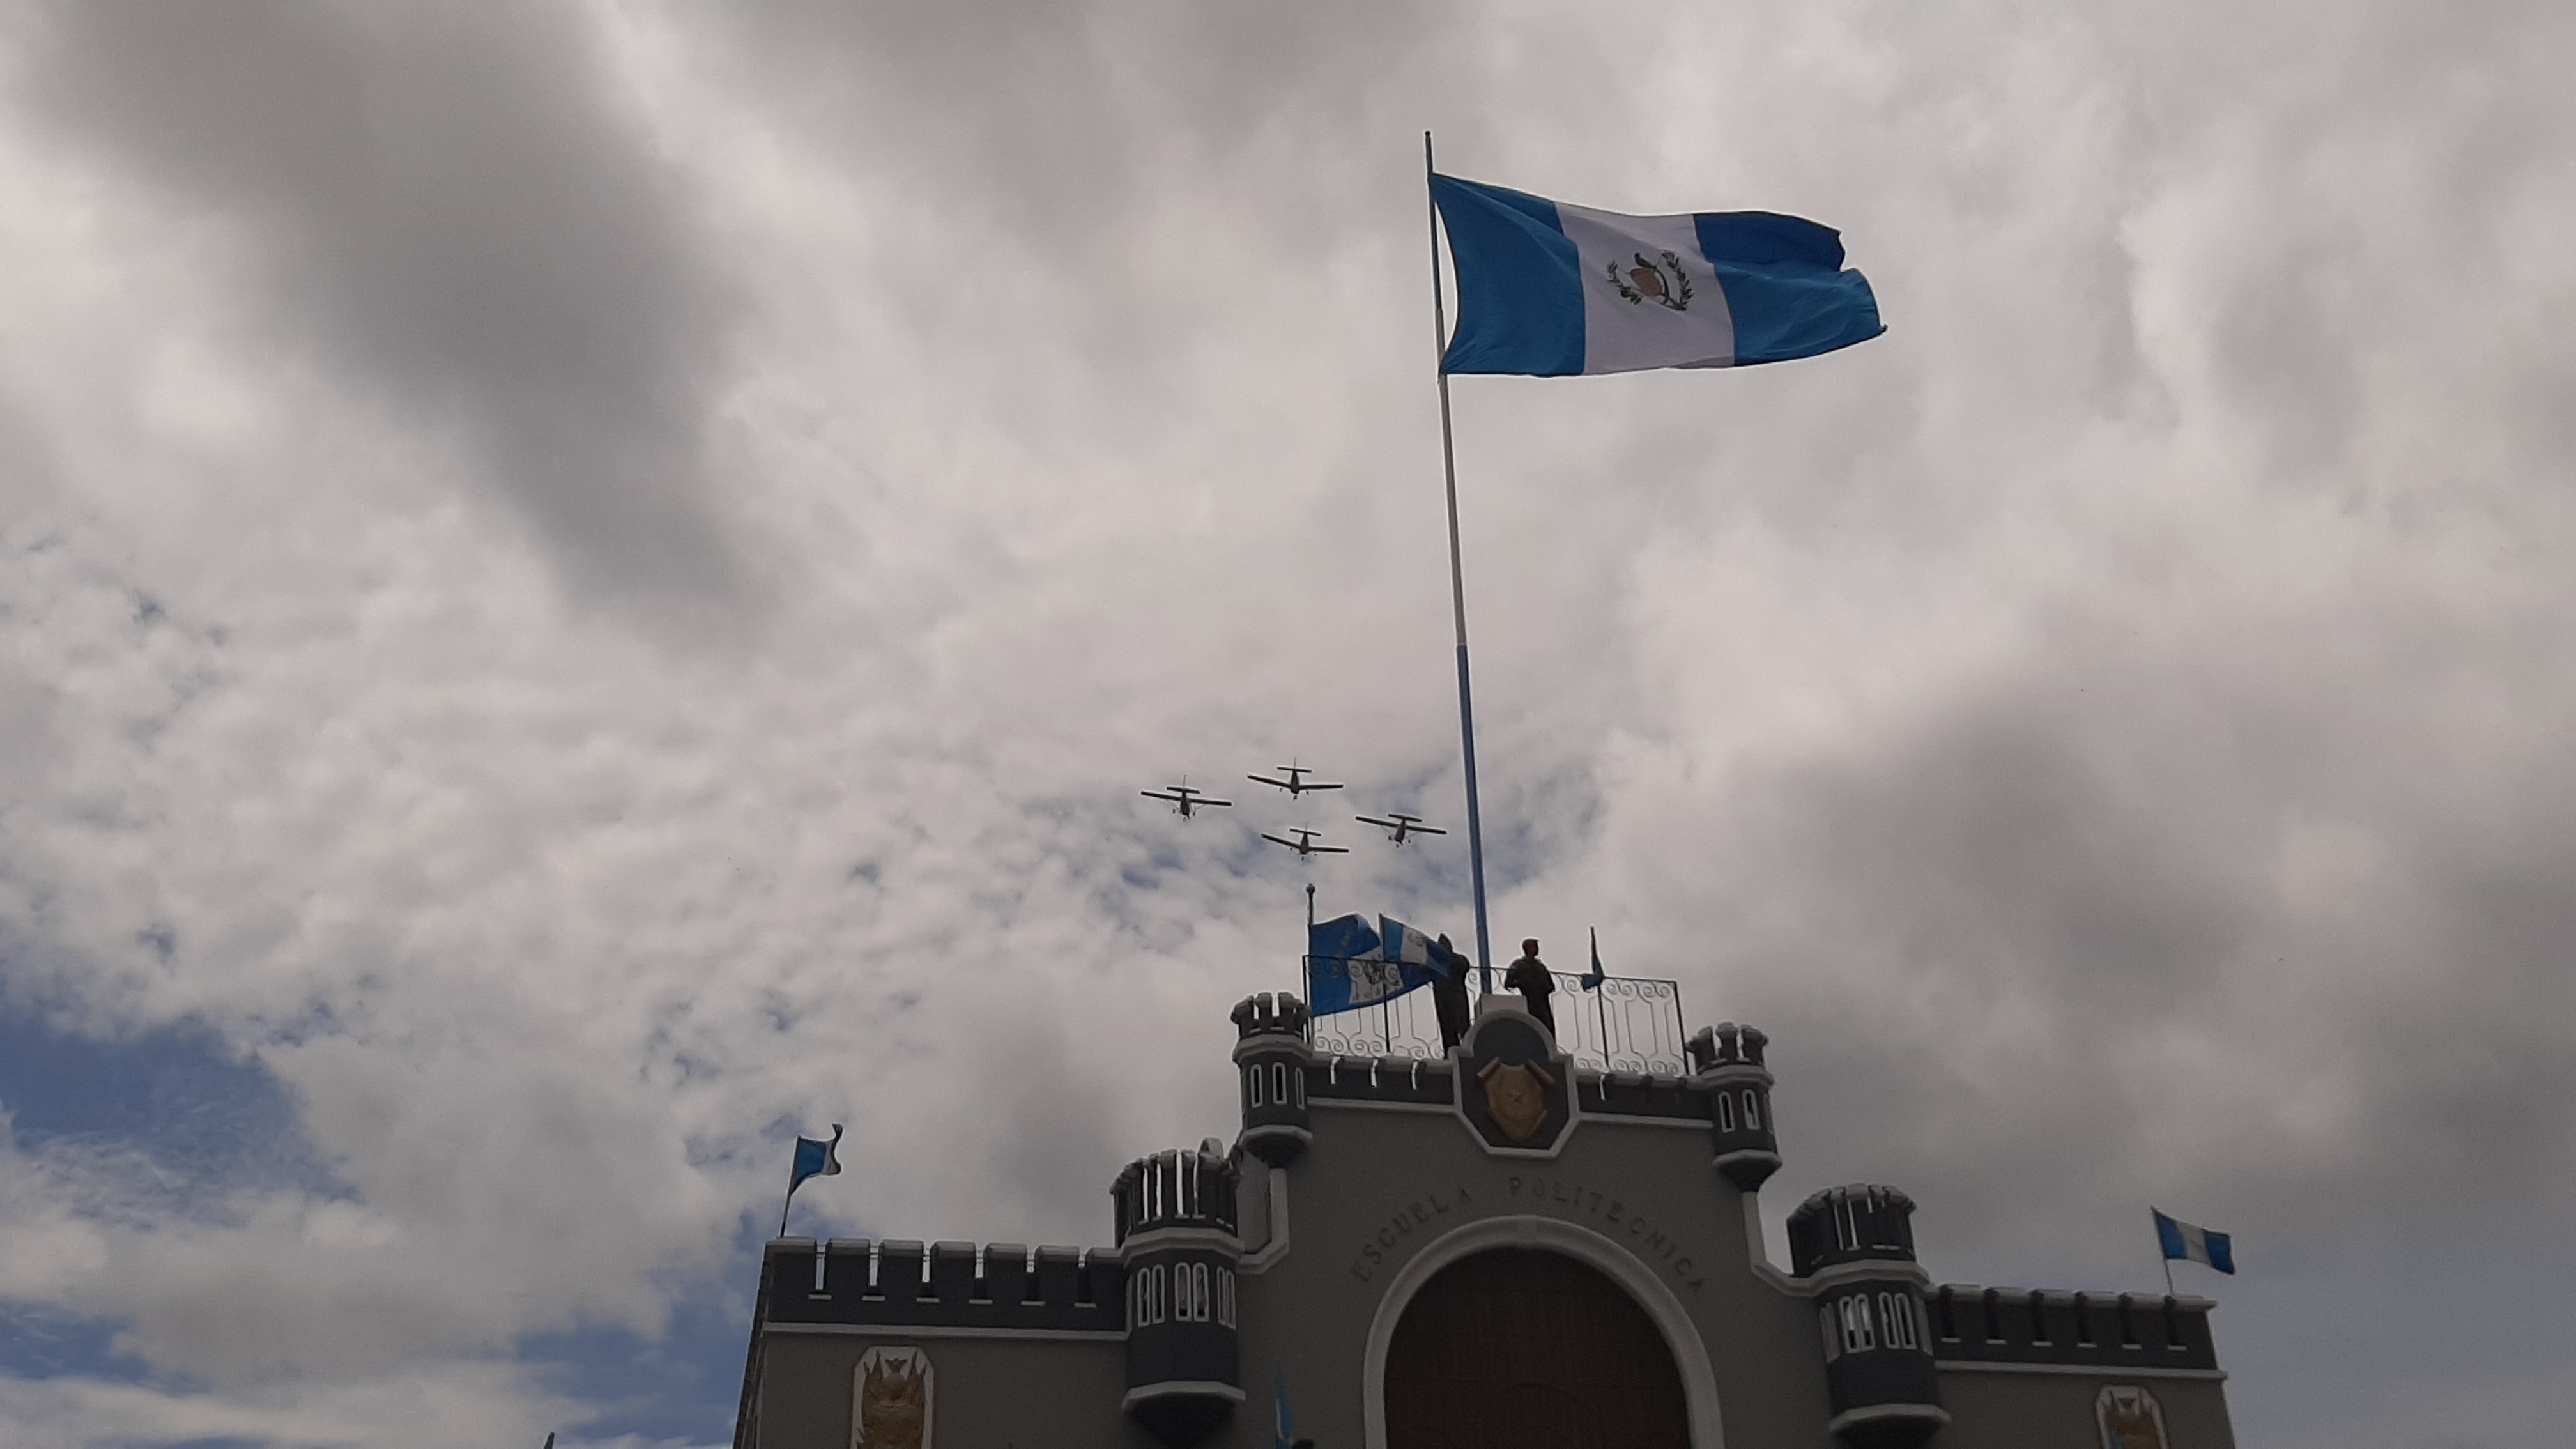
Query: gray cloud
453, 212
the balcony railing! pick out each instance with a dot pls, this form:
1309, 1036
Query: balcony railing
1631, 1024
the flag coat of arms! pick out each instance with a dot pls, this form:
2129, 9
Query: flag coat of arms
1550, 289
1350, 962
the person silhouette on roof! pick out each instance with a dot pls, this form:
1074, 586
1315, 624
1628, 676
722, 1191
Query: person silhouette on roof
1530, 977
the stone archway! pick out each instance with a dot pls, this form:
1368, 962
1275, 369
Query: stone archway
1522, 1348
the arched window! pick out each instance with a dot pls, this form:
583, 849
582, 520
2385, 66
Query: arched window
1725, 1112
1255, 1077
1857, 1337
1752, 1111
1279, 1081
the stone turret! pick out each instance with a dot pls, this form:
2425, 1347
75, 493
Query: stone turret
1855, 1246
1727, 1060
1177, 1240
1270, 1058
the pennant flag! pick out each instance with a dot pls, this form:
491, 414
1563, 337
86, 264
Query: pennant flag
2195, 1244
1593, 978
815, 1159
1547, 289
1283, 1430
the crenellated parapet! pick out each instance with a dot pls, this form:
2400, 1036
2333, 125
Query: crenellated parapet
2109, 1331
903, 1283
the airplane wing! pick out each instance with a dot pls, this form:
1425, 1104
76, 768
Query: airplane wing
1329, 849
1418, 828
1266, 780
1157, 795
1226, 803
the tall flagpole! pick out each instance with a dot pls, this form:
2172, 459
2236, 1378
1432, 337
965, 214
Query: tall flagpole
1457, 588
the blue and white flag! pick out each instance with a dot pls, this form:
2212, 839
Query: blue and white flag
1283, 1429
1402, 943
1552, 290
1593, 978
2193, 1244
1347, 964
814, 1159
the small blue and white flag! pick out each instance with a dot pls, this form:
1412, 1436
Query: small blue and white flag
815, 1159
1593, 978
2183, 1241
1547, 289
1283, 1429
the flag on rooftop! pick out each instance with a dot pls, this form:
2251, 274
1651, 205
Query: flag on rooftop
1550, 289
1593, 978
1402, 943
1349, 962
815, 1159
2189, 1243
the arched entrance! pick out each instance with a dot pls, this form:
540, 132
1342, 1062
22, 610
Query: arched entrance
1518, 1348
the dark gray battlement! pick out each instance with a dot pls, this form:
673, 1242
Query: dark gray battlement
1971, 1324
1862, 1222
1725, 1045
1268, 1015
1175, 1190
1001, 1285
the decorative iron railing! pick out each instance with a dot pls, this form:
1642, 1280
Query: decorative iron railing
1630, 1024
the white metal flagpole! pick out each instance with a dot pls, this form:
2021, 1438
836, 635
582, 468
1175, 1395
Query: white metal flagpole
1457, 589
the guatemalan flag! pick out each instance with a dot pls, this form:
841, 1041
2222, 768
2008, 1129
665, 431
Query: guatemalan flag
1552, 290
1351, 963
2184, 1241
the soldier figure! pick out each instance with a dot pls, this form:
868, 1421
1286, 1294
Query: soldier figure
1530, 977
1449, 995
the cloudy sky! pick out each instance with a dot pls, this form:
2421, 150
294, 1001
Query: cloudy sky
584, 587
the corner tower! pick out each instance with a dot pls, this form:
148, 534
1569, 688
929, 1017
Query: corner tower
1270, 1057
1855, 1246
1176, 1236
1727, 1060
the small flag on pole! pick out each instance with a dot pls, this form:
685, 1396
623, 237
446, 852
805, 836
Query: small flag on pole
1283, 1429
1593, 978
1547, 289
813, 1159
2184, 1242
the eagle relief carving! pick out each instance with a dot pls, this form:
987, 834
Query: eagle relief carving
2130, 1418
891, 1387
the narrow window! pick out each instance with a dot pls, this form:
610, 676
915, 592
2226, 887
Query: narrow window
1162, 1294
1725, 1112
1856, 1335
1257, 1080
1752, 1111
1301, 1087
1833, 1332
819, 1250
2038, 1318
1949, 1318
1199, 1290
1993, 1304
1279, 1081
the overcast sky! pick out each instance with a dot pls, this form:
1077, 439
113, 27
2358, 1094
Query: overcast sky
586, 587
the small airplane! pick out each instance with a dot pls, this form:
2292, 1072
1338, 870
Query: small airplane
1403, 825
1296, 784
1184, 799
1305, 844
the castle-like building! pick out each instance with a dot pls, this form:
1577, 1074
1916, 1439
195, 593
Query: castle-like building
1495, 1247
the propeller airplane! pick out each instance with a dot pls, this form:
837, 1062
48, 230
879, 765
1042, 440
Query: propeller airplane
1296, 784
1305, 844
1184, 799
1403, 825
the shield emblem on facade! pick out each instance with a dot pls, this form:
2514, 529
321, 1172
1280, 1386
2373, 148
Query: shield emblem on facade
2130, 1418
1516, 1096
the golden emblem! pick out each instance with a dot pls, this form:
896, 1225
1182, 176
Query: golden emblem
1648, 281
893, 1393
1516, 1097
2130, 1418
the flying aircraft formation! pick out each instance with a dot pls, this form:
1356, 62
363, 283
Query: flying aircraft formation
1187, 800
